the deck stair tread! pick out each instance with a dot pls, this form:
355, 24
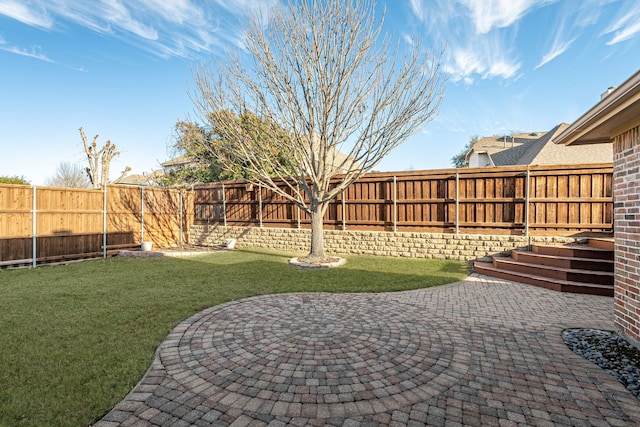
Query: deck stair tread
511, 261
545, 282
604, 264
550, 271
577, 251
581, 268
490, 266
602, 243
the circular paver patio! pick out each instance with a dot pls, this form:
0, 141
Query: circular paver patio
479, 352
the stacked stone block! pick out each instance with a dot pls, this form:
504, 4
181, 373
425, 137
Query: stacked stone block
465, 247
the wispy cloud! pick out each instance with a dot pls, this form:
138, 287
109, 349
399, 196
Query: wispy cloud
34, 52
244, 6
176, 11
183, 28
561, 41
557, 49
30, 53
626, 24
27, 12
489, 14
478, 43
484, 58
572, 23
417, 9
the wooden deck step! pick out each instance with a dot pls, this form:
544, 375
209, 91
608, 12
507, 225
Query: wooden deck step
602, 243
563, 261
553, 272
581, 268
489, 269
574, 251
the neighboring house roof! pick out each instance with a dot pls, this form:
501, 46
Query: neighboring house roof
538, 148
617, 111
336, 159
341, 162
144, 180
503, 150
150, 178
176, 162
546, 152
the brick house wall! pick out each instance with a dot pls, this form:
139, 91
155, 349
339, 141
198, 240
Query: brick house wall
626, 176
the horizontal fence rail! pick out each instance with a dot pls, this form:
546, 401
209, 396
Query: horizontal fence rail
538, 200
43, 224
46, 224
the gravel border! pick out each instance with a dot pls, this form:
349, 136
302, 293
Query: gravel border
610, 351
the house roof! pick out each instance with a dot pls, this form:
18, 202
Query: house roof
335, 160
181, 160
616, 112
504, 150
139, 180
540, 149
550, 153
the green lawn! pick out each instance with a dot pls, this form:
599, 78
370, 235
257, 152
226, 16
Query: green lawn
75, 339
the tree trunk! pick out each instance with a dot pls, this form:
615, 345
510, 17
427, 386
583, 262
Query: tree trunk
317, 235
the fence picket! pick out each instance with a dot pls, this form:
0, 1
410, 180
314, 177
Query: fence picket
63, 223
504, 200
43, 223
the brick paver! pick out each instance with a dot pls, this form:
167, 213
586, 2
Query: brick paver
482, 352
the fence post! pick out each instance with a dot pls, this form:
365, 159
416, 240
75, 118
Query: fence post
224, 206
395, 204
141, 215
180, 218
34, 228
104, 222
298, 207
526, 204
344, 211
457, 203
260, 204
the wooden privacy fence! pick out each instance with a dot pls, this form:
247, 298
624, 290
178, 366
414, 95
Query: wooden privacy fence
44, 224
531, 200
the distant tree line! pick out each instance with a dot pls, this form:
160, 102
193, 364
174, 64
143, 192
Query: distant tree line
18, 180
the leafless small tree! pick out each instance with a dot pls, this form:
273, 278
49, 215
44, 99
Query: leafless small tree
321, 71
69, 175
100, 161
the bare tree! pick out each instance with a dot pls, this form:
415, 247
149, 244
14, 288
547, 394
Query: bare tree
100, 161
69, 175
321, 71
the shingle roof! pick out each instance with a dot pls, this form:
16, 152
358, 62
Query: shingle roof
141, 180
181, 160
506, 150
537, 148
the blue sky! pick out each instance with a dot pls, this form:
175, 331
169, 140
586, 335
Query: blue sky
122, 69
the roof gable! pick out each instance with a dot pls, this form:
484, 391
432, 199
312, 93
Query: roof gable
504, 150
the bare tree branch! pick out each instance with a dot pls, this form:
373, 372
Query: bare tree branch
99, 161
69, 175
321, 71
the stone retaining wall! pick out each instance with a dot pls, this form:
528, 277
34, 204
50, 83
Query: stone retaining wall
464, 247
